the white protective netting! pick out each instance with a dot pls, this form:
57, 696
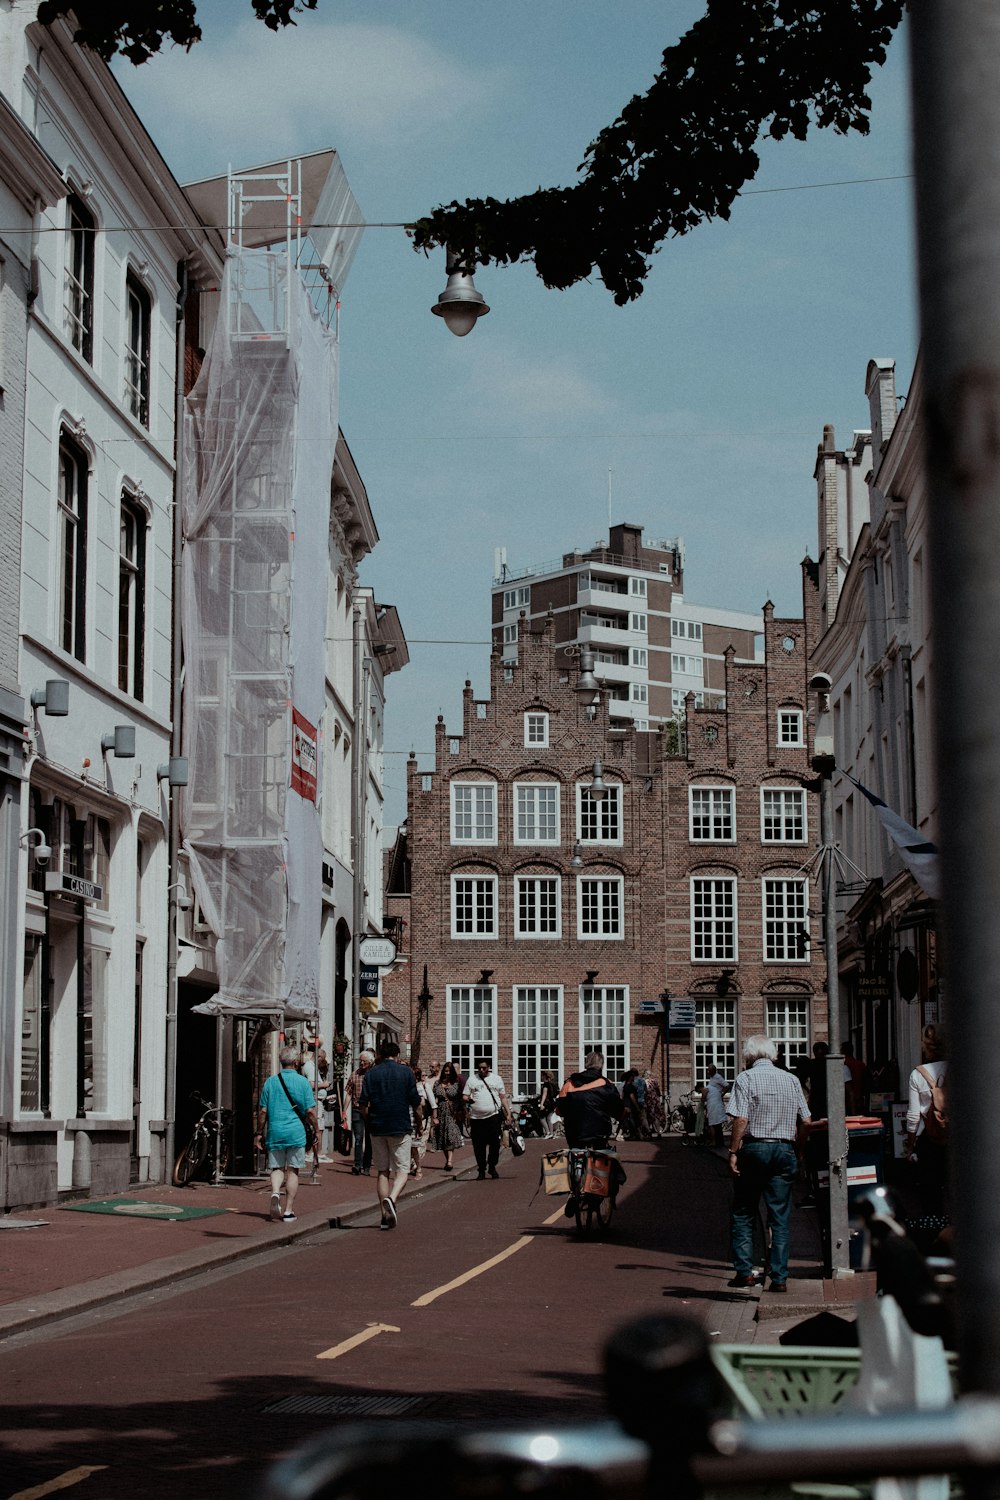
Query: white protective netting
260, 436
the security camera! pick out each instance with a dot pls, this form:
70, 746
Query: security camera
819, 682
43, 853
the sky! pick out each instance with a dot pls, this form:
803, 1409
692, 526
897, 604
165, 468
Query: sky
694, 412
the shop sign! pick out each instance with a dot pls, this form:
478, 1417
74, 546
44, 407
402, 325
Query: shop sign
305, 757
72, 885
377, 952
368, 981
874, 988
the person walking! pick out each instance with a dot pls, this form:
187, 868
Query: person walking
446, 1132
421, 1123
285, 1101
362, 1140
769, 1114
715, 1086
634, 1095
488, 1111
926, 1132
547, 1096
388, 1098
315, 1069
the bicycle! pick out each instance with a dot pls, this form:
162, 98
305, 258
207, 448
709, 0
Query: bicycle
684, 1113
592, 1209
215, 1123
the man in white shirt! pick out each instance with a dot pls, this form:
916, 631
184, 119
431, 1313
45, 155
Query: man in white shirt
488, 1112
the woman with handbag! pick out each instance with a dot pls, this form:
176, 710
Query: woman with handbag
421, 1124
446, 1132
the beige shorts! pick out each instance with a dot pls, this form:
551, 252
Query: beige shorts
391, 1153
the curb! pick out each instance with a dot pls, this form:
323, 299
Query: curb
87, 1296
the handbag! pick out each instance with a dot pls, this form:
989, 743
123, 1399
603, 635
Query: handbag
515, 1141
307, 1124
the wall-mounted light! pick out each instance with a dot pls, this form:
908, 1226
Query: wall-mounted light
53, 697
174, 771
485, 975
460, 304
591, 975
120, 742
597, 789
577, 860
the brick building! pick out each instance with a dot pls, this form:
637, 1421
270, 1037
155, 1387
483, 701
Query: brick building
537, 920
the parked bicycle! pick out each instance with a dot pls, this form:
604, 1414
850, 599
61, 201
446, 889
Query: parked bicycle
683, 1115
216, 1122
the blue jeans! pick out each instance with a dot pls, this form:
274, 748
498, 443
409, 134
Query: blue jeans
362, 1141
767, 1170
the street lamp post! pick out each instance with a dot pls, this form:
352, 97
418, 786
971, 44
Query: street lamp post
823, 762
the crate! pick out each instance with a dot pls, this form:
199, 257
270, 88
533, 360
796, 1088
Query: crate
771, 1381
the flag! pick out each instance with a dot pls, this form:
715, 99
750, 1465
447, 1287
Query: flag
919, 855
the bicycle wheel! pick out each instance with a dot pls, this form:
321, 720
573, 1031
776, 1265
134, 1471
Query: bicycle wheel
191, 1159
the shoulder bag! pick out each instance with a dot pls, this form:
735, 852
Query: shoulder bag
307, 1124
515, 1141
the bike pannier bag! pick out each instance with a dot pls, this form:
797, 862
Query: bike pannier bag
555, 1172
597, 1174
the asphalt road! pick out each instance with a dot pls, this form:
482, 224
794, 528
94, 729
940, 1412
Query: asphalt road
482, 1308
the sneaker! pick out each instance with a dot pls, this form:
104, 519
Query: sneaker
275, 1206
388, 1214
745, 1281
289, 1218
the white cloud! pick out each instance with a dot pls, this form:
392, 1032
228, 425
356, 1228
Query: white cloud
245, 90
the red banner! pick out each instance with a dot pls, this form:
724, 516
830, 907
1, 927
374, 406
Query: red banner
305, 757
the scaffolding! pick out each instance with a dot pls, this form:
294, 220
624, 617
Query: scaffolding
259, 442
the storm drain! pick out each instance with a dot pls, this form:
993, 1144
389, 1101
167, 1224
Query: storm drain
349, 1406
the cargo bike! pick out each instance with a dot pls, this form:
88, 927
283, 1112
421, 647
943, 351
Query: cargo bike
591, 1175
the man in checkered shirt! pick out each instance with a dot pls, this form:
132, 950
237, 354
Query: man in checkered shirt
769, 1113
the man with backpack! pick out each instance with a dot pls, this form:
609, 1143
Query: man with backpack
927, 1122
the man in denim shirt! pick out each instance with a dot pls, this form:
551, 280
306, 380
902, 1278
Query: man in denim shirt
388, 1095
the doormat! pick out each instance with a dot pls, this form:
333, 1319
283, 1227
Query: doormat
137, 1208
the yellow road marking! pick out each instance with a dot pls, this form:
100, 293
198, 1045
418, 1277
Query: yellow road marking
61, 1482
554, 1218
370, 1332
486, 1265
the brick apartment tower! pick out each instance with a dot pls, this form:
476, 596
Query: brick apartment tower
536, 920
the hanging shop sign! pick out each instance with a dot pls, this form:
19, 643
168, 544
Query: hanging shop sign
305, 757
377, 952
367, 981
72, 885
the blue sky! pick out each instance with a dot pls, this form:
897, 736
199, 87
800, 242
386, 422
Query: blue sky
706, 398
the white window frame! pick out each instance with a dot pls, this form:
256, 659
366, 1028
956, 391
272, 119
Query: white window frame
537, 1037
604, 1026
471, 1024
510, 634
791, 729
784, 913
477, 816
610, 897
516, 598
638, 656
782, 821
535, 934
639, 623
527, 800
722, 806
536, 730
637, 587
787, 1024
710, 942
605, 813
483, 886
639, 693
714, 1038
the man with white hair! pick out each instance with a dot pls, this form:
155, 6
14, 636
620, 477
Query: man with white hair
768, 1110
285, 1103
